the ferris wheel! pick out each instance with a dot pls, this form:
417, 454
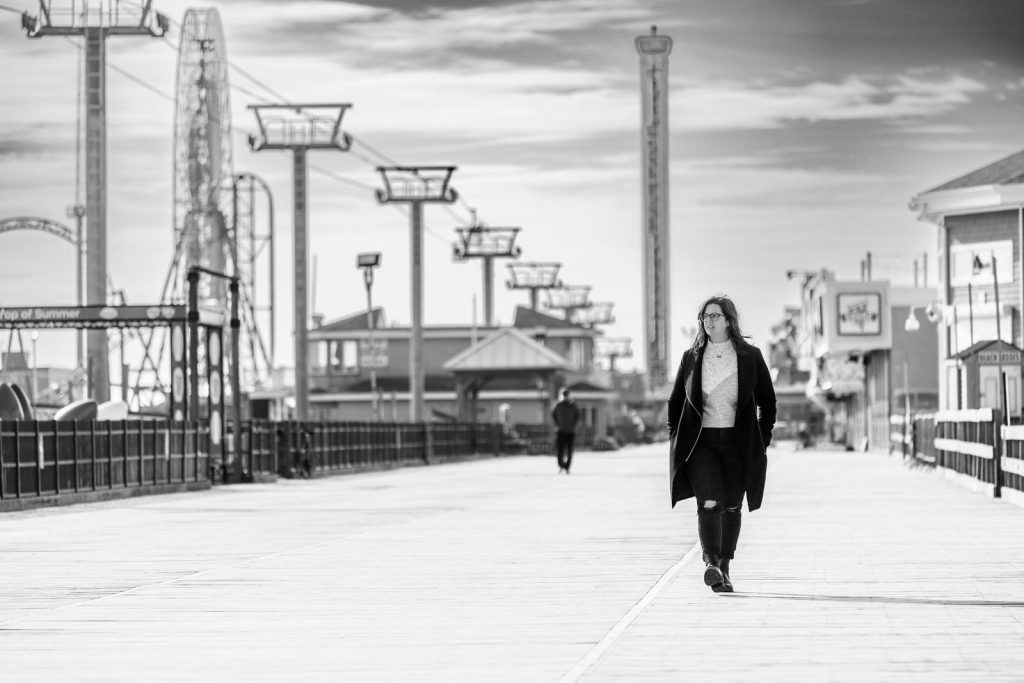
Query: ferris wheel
206, 198
203, 164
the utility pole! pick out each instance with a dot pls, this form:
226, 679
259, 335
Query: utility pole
570, 299
486, 243
94, 24
534, 276
300, 128
416, 185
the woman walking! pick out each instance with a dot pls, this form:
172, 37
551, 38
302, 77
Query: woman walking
720, 417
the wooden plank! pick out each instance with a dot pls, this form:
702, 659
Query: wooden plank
501, 569
973, 415
1013, 465
978, 450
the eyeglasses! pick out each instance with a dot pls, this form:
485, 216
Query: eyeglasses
712, 317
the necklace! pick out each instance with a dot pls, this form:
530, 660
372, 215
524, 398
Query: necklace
718, 348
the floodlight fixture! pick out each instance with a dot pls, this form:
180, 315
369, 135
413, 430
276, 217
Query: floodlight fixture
486, 242
533, 276
620, 347
110, 18
569, 297
416, 184
300, 126
597, 313
369, 259
614, 348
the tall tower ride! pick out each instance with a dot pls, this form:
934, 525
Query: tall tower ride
654, 51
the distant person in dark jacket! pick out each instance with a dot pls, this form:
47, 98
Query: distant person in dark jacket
566, 416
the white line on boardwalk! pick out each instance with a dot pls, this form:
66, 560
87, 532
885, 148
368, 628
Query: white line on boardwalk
595, 652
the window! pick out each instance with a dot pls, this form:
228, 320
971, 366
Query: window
972, 263
321, 351
344, 357
577, 353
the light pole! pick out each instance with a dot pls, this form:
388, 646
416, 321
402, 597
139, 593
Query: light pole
368, 261
35, 365
416, 185
300, 128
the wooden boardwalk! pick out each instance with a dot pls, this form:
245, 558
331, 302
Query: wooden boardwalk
856, 569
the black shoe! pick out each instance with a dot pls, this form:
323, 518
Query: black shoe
726, 586
713, 577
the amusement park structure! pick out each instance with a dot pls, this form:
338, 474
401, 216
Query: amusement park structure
213, 208
94, 25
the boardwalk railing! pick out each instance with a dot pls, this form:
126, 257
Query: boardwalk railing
1011, 464
298, 448
51, 462
46, 458
901, 437
967, 443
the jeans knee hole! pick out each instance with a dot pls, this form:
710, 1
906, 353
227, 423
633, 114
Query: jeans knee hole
710, 504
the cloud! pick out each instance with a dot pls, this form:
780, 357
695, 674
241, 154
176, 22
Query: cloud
713, 105
433, 35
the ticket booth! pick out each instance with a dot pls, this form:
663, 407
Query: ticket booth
980, 366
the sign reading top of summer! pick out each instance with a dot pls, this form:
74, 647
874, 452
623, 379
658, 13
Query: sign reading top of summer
859, 314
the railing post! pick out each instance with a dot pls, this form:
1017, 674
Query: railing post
39, 459
74, 452
997, 452
17, 459
428, 443
3, 478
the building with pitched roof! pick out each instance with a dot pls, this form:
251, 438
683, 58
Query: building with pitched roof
980, 220
473, 373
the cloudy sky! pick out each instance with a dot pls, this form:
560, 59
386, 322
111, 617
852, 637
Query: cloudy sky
800, 129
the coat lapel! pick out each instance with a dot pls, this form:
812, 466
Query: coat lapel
744, 375
696, 382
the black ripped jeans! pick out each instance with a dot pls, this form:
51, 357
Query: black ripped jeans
716, 473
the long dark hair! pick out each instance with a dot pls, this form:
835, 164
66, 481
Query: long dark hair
731, 314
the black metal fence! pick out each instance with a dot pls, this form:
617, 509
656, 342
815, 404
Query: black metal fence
48, 460
309, 448
45, 458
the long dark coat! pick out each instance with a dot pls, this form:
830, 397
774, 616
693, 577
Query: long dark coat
755, 419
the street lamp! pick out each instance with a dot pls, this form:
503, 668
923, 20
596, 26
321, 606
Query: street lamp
368, 261
35, 365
